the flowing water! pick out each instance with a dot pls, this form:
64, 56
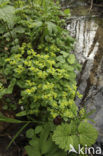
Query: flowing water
87, 27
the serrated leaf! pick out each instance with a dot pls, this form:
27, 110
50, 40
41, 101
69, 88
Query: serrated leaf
88, 134
75, 141
62, 136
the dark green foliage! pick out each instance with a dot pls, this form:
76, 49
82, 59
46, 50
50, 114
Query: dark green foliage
37, 76
42, 144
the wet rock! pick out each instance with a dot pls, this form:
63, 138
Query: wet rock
88, 31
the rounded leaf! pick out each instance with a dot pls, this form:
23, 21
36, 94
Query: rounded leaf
88, 134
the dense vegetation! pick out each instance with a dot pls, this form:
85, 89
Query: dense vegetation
38, 77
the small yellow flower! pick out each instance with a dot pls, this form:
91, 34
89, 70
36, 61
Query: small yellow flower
79, 95
12, 62
82, 112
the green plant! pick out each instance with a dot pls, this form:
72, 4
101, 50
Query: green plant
37, 75
38, 78
74, 133
41, 142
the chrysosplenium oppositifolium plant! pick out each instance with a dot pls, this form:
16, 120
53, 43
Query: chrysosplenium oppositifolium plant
37, 74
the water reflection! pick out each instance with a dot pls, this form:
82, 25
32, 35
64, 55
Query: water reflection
89, 51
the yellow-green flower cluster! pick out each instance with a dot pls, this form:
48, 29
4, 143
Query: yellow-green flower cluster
1, 86
54, 48
44, 83
79, 95
65, 108
82, 112
29, 91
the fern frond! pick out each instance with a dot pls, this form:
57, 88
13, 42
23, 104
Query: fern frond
7, 14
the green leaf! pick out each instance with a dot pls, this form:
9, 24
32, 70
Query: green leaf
51, 27
30, 133
17, 134
31, 151
2, 29
24, 113
65, 54
15, 48
44, 134
72, 76
19, 29
35, 143
47, 146
57, 153
7, 15
88, 134
9, 89
42, 143
70, 39
71, 59
75, 141
62, 136
68, 67
36, 24
9, 120
67, 11
4, 2
38, 129
61, 59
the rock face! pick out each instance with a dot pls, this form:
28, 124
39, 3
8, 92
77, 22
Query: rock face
88, 31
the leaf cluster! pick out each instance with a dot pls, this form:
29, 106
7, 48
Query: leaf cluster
38, 76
